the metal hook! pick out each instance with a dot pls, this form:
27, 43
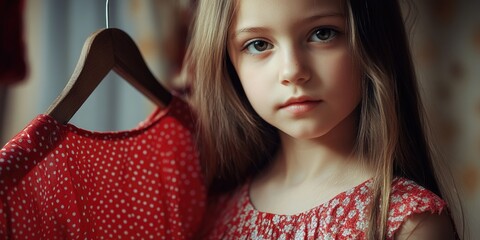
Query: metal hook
106, 14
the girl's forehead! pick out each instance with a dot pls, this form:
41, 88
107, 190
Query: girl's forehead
253, 9
251, 13
293, 5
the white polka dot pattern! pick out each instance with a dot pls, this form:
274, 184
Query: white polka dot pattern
62, 182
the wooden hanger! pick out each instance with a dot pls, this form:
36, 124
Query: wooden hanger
105, 50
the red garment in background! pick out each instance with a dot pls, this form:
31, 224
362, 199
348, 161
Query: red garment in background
12, 49
62, 182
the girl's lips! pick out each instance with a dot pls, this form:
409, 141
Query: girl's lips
300, 107
295, 100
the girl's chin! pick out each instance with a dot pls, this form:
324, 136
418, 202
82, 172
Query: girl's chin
302, 135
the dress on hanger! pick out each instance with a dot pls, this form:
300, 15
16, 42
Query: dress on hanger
62, 182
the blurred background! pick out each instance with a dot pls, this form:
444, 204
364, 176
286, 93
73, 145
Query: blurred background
54, 33
445, 43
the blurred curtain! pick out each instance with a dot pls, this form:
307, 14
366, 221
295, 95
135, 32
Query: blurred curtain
57, 32
67, 24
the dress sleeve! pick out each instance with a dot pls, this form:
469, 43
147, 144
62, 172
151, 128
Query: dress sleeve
17, 160
407, 199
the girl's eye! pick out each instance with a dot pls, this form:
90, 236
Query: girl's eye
258, 46
323, 35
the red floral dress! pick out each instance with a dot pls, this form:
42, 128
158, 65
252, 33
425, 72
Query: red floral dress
62, 182
342, 217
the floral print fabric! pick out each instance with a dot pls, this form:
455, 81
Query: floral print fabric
342, 217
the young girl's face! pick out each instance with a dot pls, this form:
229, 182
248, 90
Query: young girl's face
294, 63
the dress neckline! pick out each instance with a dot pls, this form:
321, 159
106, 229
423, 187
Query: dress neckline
315, 209
151, 120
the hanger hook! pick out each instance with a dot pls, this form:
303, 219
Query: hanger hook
106, 14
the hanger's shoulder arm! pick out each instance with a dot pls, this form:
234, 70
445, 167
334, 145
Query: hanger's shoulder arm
130, 64
95, 61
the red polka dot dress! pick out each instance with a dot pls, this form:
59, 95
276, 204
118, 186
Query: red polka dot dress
61, 182
342, 217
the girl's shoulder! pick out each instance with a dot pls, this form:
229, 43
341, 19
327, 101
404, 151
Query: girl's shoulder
408, 199
407, 195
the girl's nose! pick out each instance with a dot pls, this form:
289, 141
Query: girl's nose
295, 68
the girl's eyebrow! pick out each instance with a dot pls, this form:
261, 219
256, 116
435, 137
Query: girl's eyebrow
249, 30
263, 29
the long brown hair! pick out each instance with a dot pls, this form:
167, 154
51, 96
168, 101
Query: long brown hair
234, 142
392, 131
233, 139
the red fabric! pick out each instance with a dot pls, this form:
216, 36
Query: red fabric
12, 49
342, 217
62, 182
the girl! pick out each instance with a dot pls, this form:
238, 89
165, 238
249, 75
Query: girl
310, 122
